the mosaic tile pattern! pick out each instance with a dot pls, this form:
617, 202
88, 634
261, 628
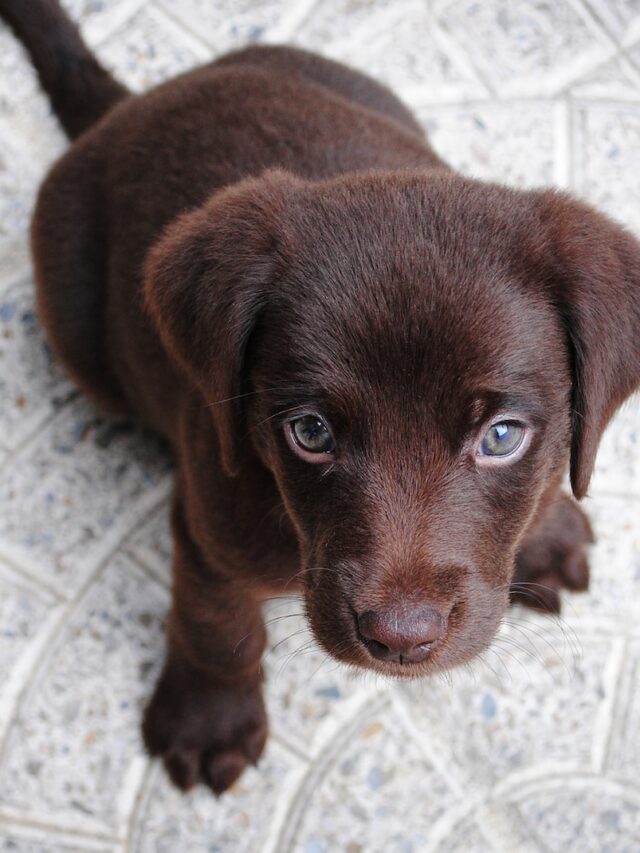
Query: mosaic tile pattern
535, 748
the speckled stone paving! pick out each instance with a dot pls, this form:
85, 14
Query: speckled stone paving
534, 748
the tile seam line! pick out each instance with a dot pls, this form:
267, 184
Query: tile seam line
291, 748
496, 841
176, 29
22, 275
573, 76
626, 54
22, 447
631, 498
562, 142
606, 628
372, 28
7, 819
315, 771
571, 139
22, 573
38, 427
610, 103
606, 745
524, 100
312, 6
184, 23
140, 804
578, 777
623, 49
438, 762
553, 92
591, 10
442, 829
144, 566
120, 19
30, 575
622, 53
460, 48
64, 618
599, 66
282, 808
454, 51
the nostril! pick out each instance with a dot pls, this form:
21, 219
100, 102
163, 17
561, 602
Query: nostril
402, 636
379, 650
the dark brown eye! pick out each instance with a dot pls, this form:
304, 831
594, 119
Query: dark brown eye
312, 434
502, 439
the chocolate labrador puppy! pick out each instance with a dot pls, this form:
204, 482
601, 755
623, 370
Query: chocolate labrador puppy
372, 371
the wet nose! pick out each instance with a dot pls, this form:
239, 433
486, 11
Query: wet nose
405, 636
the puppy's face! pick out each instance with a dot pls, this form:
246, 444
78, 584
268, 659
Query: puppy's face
412, 403
423, 355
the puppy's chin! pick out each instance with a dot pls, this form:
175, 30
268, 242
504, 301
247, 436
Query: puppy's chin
472, 624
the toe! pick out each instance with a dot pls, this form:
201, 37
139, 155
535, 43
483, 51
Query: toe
254, 742
183, 768
221, 769
575, 571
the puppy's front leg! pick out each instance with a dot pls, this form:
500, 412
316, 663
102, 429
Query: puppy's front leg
206, 718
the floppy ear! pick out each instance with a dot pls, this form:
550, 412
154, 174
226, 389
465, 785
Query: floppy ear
595, 282
205, 282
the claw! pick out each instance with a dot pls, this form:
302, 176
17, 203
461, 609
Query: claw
183, 768
221, 769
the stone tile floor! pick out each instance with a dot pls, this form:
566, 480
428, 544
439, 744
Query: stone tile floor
537, 746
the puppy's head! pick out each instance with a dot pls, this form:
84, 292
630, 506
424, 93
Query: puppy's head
415, 358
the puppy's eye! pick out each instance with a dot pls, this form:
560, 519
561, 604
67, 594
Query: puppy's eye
311, 433
502, 439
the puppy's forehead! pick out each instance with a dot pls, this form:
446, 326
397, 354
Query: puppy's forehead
415, 298
439, 315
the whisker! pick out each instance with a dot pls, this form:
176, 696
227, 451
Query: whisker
530, 652
569, 634
274, 415
303, 648
297, 633
513, 657
279, 598
247, 394
309, 570
297, 575
277, 507
264, 624
559, 654
310, 678
483, 660
282, 616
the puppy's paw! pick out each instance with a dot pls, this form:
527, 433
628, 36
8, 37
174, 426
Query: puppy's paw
552, 557
204, 731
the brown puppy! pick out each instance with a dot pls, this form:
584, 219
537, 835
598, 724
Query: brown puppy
373, 372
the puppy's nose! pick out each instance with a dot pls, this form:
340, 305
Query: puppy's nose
405, 636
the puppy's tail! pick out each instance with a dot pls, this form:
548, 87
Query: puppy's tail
80, 89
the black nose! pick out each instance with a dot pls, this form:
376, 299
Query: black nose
405, 636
